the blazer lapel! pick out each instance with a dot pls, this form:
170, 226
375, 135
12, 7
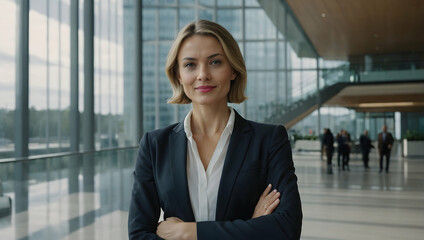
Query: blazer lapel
237, 149
178, 155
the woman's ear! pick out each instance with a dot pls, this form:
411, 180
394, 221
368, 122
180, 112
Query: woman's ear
177, 74
233, 75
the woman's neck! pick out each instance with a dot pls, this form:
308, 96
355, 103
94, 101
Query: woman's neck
209, 120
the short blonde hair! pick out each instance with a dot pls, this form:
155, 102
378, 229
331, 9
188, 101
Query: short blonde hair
231, 50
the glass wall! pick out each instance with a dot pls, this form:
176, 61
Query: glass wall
49, 75
284, 70
281, 65
7, 79
108, 73
281, 70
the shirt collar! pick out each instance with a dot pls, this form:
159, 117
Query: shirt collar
228, 128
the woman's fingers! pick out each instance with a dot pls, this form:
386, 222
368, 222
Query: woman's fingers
272, 207
267, 190
270, 198
267, 202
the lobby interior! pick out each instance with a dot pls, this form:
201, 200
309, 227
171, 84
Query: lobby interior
366, 56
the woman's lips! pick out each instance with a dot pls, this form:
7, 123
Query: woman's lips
205, 88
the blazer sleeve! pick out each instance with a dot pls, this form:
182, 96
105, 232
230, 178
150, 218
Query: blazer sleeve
144, 210
286, 220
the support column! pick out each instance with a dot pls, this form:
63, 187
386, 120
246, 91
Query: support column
88, 120
74, 113
74, 123
21, 90
138, 76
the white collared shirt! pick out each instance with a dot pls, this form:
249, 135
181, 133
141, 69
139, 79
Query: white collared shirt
203, 185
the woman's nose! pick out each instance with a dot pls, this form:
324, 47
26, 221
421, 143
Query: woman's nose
203, 74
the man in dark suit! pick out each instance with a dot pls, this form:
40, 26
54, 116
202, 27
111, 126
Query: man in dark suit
328, 142
365, 143
385, 142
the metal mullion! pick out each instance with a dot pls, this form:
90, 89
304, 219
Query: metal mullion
157, 110
138, 73
116, 67
59, 121
176, 108
88, 119
197, 6
47, 123
243, 16
99, 78
21, 87
109, 78
277, 63
74, 101
215, 16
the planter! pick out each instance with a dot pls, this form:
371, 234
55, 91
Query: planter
307, 145
413, 148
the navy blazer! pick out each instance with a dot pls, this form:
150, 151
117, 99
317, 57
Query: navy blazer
258, 154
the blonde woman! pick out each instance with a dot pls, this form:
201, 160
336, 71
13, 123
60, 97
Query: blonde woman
208, 173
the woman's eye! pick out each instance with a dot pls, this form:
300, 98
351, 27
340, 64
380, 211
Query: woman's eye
215, 62
189, 65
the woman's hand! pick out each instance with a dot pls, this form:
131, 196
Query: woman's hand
267, 202
175, 228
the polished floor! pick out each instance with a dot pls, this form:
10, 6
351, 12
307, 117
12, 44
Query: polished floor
88, 197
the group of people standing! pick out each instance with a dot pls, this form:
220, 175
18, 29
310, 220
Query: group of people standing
344, 142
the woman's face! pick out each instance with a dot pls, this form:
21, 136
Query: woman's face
204, 71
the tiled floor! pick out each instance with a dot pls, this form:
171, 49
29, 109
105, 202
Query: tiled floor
359, 204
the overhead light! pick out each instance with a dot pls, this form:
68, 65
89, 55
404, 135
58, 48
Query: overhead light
386, 104
323, 15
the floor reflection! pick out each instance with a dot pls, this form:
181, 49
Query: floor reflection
87, 197
52, 198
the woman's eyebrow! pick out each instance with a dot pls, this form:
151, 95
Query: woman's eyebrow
189, 58
209, 57
214, 55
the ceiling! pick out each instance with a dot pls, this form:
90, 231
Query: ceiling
339, 29
387, 97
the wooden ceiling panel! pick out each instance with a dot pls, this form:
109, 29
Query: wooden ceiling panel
342, 28
403, 97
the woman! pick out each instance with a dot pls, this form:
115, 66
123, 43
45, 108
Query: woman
208, 173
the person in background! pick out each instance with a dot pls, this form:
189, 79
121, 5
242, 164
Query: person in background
385, 142
328, 142
365, 143
349, 148
343, 142
339, 147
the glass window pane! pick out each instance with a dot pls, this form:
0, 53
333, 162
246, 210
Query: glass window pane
206, 2
167, 20
232, 21
149, 78
149, 23
149, 2
187, 15
293, 61
187, 1
251, 3
206, 14
166, 111
260, 55
7, 81
258, 25
166, 1
229, 3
